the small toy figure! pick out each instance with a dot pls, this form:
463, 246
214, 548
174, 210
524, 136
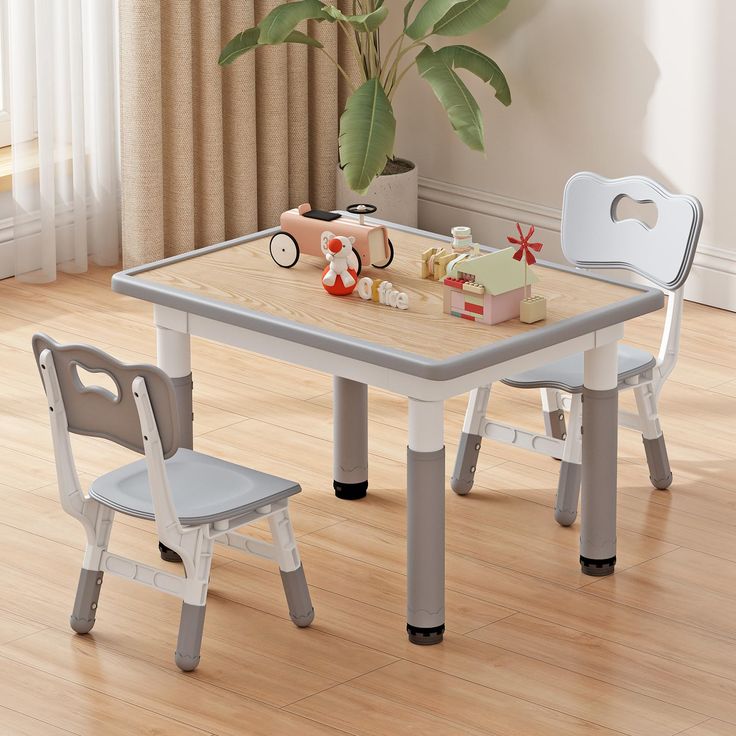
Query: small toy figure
532, 308
436, 261
486, 288
302, 226
462, 241
341, 274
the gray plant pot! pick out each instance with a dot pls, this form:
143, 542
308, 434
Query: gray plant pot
395, 195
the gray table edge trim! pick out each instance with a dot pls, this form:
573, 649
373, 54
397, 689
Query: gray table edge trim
646, 300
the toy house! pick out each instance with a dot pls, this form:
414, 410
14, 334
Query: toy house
487, 288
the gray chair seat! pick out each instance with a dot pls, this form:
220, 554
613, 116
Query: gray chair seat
567, 374
204, 489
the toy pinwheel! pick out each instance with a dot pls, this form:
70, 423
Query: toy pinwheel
525, 250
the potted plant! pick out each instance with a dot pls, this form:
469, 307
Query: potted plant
367, 125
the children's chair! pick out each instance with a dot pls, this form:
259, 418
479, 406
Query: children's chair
595, 236
194, 499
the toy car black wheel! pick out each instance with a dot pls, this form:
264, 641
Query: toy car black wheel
361, 209
360, 262
284, 249
390, 258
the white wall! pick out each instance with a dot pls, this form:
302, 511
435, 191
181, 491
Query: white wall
612, 86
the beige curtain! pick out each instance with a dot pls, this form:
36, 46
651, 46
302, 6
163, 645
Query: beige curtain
207, 153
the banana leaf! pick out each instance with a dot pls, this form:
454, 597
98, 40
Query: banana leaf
465, 57
367, 131
460, 105
468, 16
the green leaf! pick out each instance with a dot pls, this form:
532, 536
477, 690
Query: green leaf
431, 12
366, 23
455, 97
367, 130
283, 19
299, 37
468, 16
465, 57
243, 42
248, 40
407, 10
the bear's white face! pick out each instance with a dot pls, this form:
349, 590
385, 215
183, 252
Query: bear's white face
336, 245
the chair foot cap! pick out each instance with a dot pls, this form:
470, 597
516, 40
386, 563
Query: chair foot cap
597, 568
350, 491
425, 637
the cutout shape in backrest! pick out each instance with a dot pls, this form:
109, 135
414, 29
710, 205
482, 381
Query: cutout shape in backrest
641, 211
95, 410
95, 380
593, 237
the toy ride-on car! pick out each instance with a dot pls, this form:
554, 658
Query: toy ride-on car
302, 227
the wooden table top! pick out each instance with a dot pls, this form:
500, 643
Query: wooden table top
244, 275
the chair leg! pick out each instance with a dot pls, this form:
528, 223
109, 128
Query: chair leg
470, 441
660, 472
568, 485
188, 645
98, 525
296, 590
85, 603
554, 417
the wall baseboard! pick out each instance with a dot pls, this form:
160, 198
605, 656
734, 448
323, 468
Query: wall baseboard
712, 280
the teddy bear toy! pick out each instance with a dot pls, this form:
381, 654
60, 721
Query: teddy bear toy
341, 274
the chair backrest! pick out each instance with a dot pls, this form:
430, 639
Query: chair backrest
95, 411
593, 237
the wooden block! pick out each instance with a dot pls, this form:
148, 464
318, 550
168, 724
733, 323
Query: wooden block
533, 309
472, 288
440, 264
474, 299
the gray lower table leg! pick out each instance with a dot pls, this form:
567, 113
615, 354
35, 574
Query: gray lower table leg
600, 454
350, 438
425, 534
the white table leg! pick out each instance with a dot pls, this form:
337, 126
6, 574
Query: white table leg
350, 438
425, 535
600, 454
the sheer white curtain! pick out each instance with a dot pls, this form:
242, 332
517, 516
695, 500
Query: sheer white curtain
64, 135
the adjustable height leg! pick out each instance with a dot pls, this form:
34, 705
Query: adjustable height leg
660, 472
554, 417
471, 439
425, 534
85, 604
350, 432
568, 485
600, 455
188, 645
296, 590
89, 586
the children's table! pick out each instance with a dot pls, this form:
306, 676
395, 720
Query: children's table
234, 293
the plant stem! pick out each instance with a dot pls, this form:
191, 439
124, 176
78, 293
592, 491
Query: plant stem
350, 36
340, 69
395, 84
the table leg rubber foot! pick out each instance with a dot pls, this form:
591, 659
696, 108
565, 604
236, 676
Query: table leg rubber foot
168, 555
425, 637
597, 568
350, 491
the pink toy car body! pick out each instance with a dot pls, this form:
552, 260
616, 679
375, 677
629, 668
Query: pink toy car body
302, 228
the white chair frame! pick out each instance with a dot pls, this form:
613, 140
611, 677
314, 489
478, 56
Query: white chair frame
563, 440
194, 544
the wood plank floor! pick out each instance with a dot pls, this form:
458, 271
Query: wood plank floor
533, 647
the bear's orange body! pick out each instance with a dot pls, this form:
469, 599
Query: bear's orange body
338, 288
